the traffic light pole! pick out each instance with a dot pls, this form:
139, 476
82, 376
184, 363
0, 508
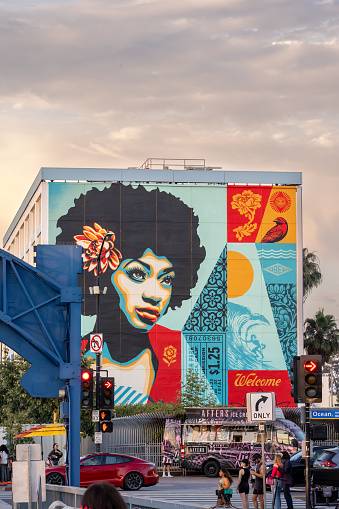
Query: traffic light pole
308, 455
98, 363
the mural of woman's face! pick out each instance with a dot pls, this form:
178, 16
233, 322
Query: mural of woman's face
144, 287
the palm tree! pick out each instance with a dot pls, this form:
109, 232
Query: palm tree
312, 276
321, 335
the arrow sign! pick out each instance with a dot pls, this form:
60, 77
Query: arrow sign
260, 406
263, 399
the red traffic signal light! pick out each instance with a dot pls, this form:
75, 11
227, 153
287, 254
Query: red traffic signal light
310, 365
86, 388
108, 383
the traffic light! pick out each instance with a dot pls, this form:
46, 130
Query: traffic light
107, 393
86, 388
311, 378
106, 427
294, 378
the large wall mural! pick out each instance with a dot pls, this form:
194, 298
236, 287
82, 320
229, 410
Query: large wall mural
197, 277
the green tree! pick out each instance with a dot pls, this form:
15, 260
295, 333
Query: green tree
194, 392
17, 406
312, 276
321, 335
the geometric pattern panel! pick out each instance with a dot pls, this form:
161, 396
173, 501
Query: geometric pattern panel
210, 311
283, 299
205, 330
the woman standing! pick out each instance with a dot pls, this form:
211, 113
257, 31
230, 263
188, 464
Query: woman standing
286, 472
278, 486
4, 461
243, 486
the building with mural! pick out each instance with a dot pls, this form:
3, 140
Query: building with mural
203, 271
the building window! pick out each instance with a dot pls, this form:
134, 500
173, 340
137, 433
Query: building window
38, 212
26, 230
21, 240
17, 245
32, 223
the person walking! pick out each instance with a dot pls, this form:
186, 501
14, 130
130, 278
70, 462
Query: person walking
278, 482
258, 492
167, 457
286, 471
4, 463
102, 496
55, 455
243, 486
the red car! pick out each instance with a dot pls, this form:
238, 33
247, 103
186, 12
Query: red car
123, 471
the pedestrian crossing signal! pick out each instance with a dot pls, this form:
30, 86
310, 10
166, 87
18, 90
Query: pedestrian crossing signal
107, 427
105, 415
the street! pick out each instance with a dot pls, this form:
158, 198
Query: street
199, 490
194, 490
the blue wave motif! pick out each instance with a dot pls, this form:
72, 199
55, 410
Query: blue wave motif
291, 253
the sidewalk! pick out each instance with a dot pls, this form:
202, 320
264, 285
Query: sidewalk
4, 505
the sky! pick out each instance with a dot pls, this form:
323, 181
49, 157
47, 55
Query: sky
246, 85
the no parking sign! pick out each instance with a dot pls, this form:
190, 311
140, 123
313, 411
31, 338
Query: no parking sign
96, 342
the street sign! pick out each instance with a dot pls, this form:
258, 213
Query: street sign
325, 413
260, 406
98, 437
95, 416
96, 341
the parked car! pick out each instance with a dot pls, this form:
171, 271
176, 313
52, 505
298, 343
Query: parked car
123, 471
326, 468
298, 465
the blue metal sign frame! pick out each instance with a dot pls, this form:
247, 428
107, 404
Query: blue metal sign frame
40, 319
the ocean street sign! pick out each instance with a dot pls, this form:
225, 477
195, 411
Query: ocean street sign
325, 413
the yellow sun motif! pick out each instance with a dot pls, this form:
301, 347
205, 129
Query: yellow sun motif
240, 274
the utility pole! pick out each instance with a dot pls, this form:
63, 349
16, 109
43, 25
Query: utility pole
308, 455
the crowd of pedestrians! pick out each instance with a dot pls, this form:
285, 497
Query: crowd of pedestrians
281, 479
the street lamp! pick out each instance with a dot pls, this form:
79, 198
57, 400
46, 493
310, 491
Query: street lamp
95, 290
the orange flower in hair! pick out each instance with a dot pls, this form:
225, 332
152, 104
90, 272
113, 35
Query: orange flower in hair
94, 239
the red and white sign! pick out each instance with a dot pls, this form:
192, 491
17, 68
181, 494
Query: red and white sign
96, 341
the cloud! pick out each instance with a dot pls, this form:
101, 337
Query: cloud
245, 85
